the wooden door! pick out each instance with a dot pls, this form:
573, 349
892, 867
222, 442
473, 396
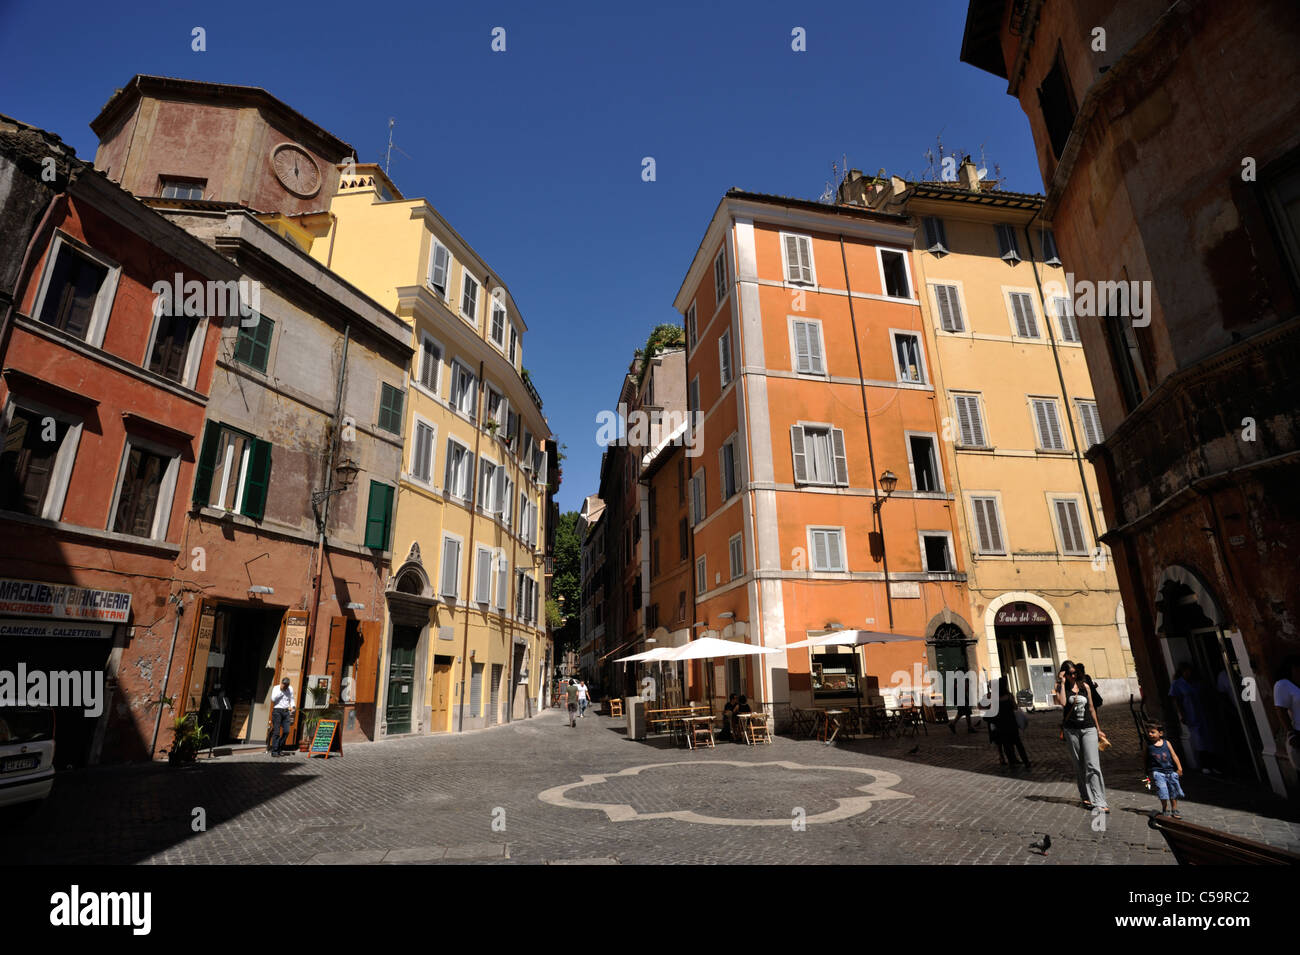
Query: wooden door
292, 644
441, 712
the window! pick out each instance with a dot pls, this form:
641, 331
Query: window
253, 343
724, 358
463, 383
798, 259
937, 552
508, 502
430, 363
459, 474
683, 538
1091, 421
950, 316
469, 297
988, 525
907, 357
390, 408
970, 421
144, 490
1050, 255
720, 275
439, 268
1065, 319
490, 486
1056, 101
936, 237
450, 567
818, 453
514, 343
234, 471
697, 496
498, 322
512, 429
422, 450
701, 575
1048, 424
681, 605
654, 558
1022, 314
497, 406
503, 580
893, 269
1069, 527
77, 291
653, 508
826, 544
176, 188
925, 467
1126, 358
807, 348
172, 352
691, 330
728, 468
693, 396
736, 554
1008, 244
379, 516
36, 461
1280, 184
483, 576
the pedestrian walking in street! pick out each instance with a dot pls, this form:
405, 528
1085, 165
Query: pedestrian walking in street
281, 715
1083, 734
571, 698
1007, 723
1164, 770
1286, 697
1193, 713
584, 698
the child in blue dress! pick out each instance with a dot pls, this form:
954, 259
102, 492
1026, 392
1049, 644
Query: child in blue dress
1164, 769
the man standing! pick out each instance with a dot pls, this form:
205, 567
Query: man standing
584, 697
571, 697
281, 715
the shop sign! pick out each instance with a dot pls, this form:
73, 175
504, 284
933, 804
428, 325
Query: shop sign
905, 589
34, 598
12, 629
1021, 615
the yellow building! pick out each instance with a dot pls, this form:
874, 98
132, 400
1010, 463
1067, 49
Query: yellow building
464, 642
1018, 414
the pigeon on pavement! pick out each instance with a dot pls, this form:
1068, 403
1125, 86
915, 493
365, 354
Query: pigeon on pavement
1043, 845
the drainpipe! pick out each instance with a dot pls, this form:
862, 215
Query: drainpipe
878, 518
469, 543
178, 599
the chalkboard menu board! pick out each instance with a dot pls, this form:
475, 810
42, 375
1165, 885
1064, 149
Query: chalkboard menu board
324, 738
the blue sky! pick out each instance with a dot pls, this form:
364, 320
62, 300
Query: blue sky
534, 154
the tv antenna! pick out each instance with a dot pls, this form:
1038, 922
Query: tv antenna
388, 155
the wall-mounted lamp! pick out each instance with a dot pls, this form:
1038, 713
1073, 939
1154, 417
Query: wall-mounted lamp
347, 471
834, 626
888, 481
353, 605
259, 589
727, 615
698, 624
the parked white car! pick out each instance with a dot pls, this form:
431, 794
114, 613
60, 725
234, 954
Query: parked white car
26, 754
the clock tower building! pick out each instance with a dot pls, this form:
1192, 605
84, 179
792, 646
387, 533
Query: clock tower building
214, 142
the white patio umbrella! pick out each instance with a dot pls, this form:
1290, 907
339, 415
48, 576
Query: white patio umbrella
707, 648
654, 653
852, 638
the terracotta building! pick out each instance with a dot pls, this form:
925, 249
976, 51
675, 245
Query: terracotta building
1168, 137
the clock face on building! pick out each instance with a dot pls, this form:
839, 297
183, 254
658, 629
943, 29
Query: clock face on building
296, 170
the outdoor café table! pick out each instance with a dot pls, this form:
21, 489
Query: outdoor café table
697, 726
830, 725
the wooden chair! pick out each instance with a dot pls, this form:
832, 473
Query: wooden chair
615, 707
756, 730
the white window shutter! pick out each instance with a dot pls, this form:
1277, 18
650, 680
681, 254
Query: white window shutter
816, 365
503, 577
820, 556
833, 550
450, 566
841, 459
799, 454
483, 578
802, 348
449, 469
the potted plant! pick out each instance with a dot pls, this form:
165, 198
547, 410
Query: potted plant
492, 426
311, 720
188, 737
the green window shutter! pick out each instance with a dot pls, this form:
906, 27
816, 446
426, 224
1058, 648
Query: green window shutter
257, 480
390, 409
379, 515
253, 345
207, 463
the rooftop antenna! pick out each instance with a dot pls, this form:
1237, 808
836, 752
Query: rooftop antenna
388, 156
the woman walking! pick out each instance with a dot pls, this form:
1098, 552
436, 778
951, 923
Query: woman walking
1006, 727
1084, 735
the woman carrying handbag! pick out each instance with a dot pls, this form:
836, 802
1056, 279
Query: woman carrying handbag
1083, 734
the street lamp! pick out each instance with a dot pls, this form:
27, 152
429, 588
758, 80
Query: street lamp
347, 470
888, 481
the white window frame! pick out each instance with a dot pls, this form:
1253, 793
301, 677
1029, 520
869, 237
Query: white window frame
829, 429
469, 458
721, 291
453, 598
1066, 321
465, 278
1079, 505
501, 575
483, 557
61, 472
952, 554
1080, 404
894, 333
907, 267
485, 502
979, 411
498, 303
736, 548
103, 301
699, 503
166, 490
458, 368
418, 382
692, 328
794, 349
428, 278
812, 550
416, 421
959, 297
938, 462
193, 354
733, 442
1007, 293
726, 359
702, 574
785, 260
1060, 422
996, 496
512, 352
503, 416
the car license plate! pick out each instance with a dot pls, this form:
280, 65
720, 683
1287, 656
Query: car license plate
16, 764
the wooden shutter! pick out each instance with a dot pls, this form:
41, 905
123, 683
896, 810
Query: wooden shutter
833, 550
449, 468
792, 270
450, 567
986, 519
950, 316
724, 357
368, 660
815, 364
207, 464
483, 577
205, 622
803, 347
841, 459
819, 550
438, 269
258, 480
1049, 425
334, 655
377, 516
799, 454
1067, 518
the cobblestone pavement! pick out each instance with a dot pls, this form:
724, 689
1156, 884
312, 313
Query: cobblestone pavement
539, 792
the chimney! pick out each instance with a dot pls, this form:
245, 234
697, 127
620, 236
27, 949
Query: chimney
968, 175
853, 190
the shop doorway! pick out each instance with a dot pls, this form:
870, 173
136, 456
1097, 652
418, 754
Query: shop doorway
441, 707
401, 679
236, 701
949, 647
1025, 650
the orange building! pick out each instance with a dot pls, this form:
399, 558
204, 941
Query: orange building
806, 362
